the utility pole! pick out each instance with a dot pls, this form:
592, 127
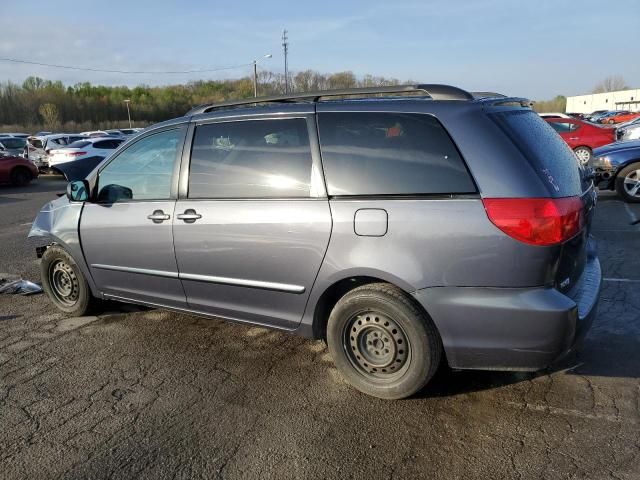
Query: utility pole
255, 79
255, 75
285, 47
127, 101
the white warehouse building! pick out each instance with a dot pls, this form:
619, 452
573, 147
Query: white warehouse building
620, 100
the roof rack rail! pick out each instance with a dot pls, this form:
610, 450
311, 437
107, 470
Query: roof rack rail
435, 91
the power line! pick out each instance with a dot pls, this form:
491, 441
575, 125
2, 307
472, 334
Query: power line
103, 70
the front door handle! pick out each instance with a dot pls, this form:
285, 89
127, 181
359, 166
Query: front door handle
189, 216
158, 216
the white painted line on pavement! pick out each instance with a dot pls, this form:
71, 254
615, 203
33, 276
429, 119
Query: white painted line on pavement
628, 280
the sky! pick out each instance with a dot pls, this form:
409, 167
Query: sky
532, 48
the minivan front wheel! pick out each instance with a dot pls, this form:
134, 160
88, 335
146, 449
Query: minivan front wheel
382, 343
64, 283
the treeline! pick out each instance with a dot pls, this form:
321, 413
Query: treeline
42, 104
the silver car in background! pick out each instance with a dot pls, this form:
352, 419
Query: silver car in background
12, 146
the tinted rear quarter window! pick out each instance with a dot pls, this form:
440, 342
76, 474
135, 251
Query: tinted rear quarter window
13, 142
79, 144
545, 150
366, 153
251, 159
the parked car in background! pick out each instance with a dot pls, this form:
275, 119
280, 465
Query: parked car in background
621, 117
582, 136
18, 171
12, 146
114, 132
95, 133
19, 135
82, 149
617, 167
42, 134
229, 212
131, 131
629, 130
609, 116
39, 148
554, 115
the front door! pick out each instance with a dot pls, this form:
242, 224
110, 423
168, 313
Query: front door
254, 224
126, 232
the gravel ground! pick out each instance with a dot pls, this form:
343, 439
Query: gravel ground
153, 394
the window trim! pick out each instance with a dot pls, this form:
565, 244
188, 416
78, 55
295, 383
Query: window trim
124, 146
317, 185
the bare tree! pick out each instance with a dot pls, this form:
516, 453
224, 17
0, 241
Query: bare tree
610, 84
49, 114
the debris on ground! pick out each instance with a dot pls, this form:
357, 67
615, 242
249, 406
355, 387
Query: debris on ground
20, 286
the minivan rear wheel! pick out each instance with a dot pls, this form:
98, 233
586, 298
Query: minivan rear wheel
64, 283
382, 342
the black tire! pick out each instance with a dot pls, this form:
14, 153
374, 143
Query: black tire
21, 176
382, 342
64, 283
583, 154
626, 181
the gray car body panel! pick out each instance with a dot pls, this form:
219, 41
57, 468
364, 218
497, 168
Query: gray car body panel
58, 222
270, 262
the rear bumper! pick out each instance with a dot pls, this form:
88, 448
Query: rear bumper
523, 329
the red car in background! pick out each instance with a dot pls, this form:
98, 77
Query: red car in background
621, 117
581, 136
17, 170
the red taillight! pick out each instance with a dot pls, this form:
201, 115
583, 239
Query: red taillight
537, 221
75, 154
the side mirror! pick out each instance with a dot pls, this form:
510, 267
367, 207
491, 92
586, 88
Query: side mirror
78, 191
113, 193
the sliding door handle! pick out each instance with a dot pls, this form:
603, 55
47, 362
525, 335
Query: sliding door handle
189, 216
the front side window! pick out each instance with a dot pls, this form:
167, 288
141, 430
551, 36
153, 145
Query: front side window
366, 153
143, 171
251, 159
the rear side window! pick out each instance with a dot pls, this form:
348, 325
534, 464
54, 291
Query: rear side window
79, 144
251, 159
544, 149
13, 142
367, 153
562, 127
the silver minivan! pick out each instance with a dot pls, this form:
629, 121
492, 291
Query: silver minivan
406, 226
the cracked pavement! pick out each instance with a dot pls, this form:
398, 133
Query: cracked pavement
153, 394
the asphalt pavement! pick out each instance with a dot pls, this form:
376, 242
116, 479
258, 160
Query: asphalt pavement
138, 393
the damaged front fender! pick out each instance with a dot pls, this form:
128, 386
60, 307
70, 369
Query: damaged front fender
59, 222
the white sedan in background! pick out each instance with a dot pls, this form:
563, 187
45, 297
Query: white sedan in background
90, 147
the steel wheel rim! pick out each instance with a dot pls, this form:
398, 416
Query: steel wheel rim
64, 283
376, 346
583, 155
632, 183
